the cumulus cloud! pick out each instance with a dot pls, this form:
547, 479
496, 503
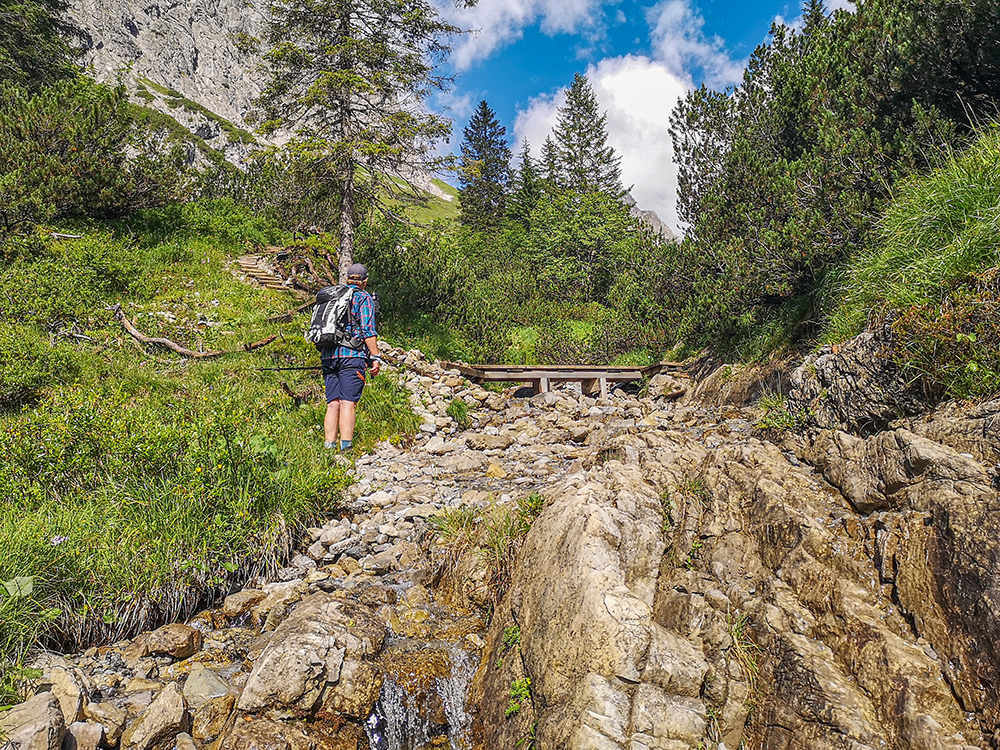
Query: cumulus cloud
680, 43
496, 23
536, 121
638, 94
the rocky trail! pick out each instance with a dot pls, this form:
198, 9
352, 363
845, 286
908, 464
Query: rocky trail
692, 581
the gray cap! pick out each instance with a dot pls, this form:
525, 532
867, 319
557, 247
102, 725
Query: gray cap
357, 271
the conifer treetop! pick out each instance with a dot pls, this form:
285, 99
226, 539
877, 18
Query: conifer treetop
585, 162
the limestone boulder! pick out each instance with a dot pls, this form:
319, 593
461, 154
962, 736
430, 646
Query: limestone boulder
203, 685
110, 717
175, 640
36, 724
83, 735
68, 683
267, 734
210, 719
317, 657
156, 727
238, 604
856, 386
483, 442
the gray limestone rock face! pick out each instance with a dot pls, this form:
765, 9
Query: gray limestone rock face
856, 386
583, 601
36, 724
193, 47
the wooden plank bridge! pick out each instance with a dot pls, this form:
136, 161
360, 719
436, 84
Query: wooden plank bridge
593, 380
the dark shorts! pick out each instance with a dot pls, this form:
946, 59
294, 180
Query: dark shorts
345, 378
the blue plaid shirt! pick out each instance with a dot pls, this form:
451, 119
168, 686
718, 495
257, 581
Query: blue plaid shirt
361, 326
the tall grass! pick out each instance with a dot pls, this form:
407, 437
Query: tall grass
494, 534
933, 275
939, 229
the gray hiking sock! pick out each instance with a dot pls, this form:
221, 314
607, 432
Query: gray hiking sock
331, 444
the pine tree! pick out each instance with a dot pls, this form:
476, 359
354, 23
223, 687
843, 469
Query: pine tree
37, 45
350, 77
551, 177
586, 162
526, 188
485, 170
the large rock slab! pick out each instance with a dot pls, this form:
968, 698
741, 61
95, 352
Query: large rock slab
582, 599
36, 724
855, 386
156, 727
318, 660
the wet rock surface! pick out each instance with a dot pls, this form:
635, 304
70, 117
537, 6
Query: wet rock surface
688, 583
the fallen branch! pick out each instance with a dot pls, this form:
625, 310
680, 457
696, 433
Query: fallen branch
299, 399
61, 236
167, 343
287, 317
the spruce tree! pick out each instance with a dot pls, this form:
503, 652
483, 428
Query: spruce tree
485, 170
526, 188
350, 78
37, 44
586, 162
551, 177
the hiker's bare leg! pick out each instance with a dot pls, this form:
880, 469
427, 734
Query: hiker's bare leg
348, 413
331, 420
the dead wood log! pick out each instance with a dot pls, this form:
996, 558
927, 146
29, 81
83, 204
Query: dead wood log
287, 317
167, 343
298, 398
334, 268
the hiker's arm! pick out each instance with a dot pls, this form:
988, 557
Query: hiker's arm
372, 343
367, 321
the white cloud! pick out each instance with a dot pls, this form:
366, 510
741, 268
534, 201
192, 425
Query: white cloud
679, 42
637, 94
537, 120
497, 23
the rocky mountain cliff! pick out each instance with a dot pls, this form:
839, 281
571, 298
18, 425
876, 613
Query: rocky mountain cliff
167, 51
696, 579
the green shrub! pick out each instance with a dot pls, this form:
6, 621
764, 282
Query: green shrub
520, 694
29, 363
939, 229
933, 275
70, 150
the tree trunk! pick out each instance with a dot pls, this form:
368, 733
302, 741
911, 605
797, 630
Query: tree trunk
346, 255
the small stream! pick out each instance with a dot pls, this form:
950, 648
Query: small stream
421, 710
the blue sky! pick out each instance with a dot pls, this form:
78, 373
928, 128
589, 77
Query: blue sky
640, 56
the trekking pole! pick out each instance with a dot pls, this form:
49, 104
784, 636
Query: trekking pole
283, 369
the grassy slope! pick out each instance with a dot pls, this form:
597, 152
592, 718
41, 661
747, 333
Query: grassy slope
934, 275
136, 484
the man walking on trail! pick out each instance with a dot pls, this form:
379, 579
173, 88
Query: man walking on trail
344, 367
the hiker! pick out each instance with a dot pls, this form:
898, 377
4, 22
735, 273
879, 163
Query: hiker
344, 366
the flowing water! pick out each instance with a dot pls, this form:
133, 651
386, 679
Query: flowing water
414, 708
